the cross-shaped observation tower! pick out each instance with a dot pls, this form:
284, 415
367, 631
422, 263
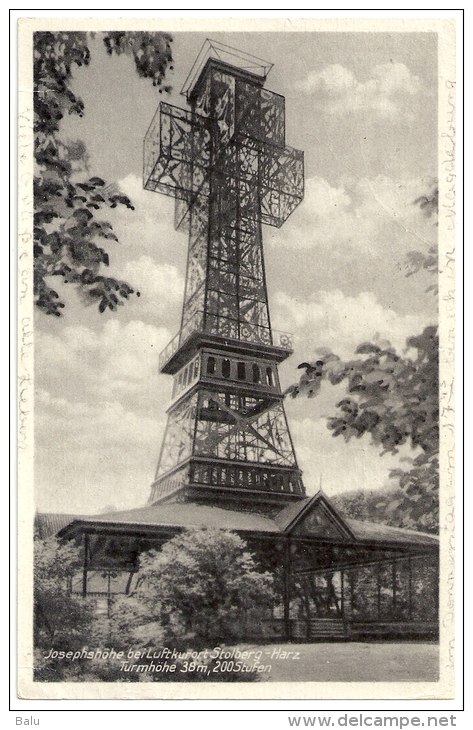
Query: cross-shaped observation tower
226, 163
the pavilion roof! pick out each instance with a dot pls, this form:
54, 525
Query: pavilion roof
296, 517
50, 523
187, 514
373, 531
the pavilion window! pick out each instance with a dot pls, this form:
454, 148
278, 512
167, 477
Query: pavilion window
211, 366
256, 374
241, 371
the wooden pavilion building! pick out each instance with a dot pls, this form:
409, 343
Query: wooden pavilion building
340, 578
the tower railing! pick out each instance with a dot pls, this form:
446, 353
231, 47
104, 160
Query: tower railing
279, 339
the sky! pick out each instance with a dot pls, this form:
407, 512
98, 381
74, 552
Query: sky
363, 107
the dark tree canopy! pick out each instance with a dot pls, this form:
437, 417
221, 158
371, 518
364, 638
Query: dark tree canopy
69, 233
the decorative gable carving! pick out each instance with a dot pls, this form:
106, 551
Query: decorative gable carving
321, 521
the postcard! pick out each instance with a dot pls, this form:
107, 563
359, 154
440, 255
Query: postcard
236, 372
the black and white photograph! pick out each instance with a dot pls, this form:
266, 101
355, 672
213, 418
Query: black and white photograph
236, 321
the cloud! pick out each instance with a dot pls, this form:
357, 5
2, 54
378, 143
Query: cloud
355, 237
376, 216
90, 454
149, 228
330, 319
112, 423
115, 361
161, 288
337, 465
333, 320
384, 94
99, 414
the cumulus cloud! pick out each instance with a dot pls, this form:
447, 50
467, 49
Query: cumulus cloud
90, 454
116, 361
148, 229
376, 215
335, 465
334, 321
99, 415
156, 208
383, 94
330, 319
355, 237
100, 409
161, 288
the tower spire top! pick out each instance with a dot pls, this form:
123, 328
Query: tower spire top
229, 55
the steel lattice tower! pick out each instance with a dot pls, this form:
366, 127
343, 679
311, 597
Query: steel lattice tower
226, 163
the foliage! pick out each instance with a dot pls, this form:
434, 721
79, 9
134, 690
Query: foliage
151, 52
429, 202
374, 505
198, 588
362, 504
58, 616
395, 400
428, 260
194, 593
69, 235
392, 505
417, 260
130, 622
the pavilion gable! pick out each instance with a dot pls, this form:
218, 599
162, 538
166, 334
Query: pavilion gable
319, 518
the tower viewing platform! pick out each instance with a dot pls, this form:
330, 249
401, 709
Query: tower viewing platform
176, 351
